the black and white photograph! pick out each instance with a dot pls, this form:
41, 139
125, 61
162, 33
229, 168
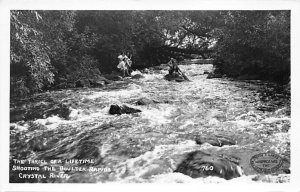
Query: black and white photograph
149, 96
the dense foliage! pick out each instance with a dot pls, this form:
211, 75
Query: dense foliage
254, 44
48, 46
45, 46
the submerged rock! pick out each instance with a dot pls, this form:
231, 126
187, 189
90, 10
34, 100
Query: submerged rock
145, 101
116, 109
200, 164
215, 140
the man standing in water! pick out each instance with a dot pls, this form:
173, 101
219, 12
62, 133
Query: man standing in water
122, 56
123, 66
129, 63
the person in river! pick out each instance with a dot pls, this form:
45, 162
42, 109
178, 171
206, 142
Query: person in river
122, 56
123, 65
129, 63
175, 71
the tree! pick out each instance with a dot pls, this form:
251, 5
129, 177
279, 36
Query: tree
45, 45
30, 62
255, 43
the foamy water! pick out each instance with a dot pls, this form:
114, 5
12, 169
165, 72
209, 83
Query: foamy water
148, 146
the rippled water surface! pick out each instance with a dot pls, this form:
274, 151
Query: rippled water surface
148, 146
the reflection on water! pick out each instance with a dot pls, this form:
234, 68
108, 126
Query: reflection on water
148, 146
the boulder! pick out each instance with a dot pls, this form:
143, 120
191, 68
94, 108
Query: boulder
216, 140
116, 109
200, 164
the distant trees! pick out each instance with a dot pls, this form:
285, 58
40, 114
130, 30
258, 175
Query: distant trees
47, 46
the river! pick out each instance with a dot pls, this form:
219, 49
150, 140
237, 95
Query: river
148, 146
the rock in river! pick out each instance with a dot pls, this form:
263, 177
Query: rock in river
215, 140
145, 101
116, 109
200, 164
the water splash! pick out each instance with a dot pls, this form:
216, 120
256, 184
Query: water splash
147, 146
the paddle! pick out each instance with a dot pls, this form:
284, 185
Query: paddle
183, 75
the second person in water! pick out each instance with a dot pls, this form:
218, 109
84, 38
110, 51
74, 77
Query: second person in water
124, 64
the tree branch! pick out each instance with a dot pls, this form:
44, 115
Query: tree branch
201, 35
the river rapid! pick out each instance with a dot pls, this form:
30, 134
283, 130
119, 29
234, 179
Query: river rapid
148, 146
